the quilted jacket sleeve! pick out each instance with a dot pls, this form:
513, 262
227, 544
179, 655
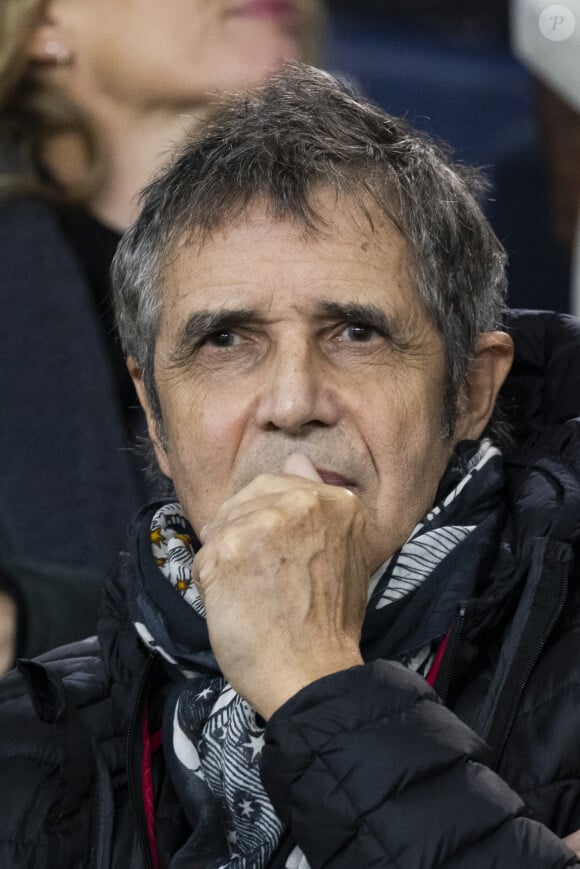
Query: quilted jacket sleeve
46, 770
369, 769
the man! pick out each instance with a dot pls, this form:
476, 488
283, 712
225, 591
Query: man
309, 304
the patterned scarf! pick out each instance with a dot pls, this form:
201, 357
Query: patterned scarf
212, 737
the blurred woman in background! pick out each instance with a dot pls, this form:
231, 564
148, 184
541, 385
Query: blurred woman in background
93, 96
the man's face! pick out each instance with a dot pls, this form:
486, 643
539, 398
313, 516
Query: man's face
274, 341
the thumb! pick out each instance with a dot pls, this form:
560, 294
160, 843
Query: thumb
301, 466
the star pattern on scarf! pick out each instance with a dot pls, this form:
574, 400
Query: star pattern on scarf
255, 744
249, 808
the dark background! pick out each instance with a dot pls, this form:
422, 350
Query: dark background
448, 68
461, 13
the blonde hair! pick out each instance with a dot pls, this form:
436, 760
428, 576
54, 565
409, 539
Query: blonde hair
33, 112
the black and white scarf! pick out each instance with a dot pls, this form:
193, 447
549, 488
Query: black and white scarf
212, 737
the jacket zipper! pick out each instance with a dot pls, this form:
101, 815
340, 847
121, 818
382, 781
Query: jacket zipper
136, 797
532, 663
458, 630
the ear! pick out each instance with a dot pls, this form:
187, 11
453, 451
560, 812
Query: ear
50, 42
490, 365
152, 423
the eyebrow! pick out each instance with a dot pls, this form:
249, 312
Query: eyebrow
393, 326
370, 315
203, 323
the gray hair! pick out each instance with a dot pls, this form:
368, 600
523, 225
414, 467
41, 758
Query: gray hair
302, 130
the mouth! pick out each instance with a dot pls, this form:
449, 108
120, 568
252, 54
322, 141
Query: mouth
276, 10
331, 478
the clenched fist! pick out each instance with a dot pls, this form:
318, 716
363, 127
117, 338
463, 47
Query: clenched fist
284, 579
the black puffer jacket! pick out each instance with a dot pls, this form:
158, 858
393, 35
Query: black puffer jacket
366, 767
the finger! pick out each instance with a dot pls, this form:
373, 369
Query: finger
271, 506
238, 510
300, 466
263, 485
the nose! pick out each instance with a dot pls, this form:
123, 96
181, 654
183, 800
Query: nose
297, 391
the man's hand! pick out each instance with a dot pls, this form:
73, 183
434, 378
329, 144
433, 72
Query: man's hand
573, 842
7, 632
284, 579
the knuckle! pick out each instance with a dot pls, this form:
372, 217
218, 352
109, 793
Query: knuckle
203, 566
307, 497
348, 501
303, 501
265, 482
352, 510
231, 541
270, 519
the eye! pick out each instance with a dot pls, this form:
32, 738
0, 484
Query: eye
224, 338
360, 333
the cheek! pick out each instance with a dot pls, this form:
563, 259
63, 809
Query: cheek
168, 53
203, 445
402, 418
410, 456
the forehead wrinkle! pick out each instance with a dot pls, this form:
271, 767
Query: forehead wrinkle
347, 277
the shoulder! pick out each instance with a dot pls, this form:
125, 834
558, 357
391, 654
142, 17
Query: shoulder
34, 249
544, 384
47, 761
39, 696
542, 397
36, 699
28, 217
